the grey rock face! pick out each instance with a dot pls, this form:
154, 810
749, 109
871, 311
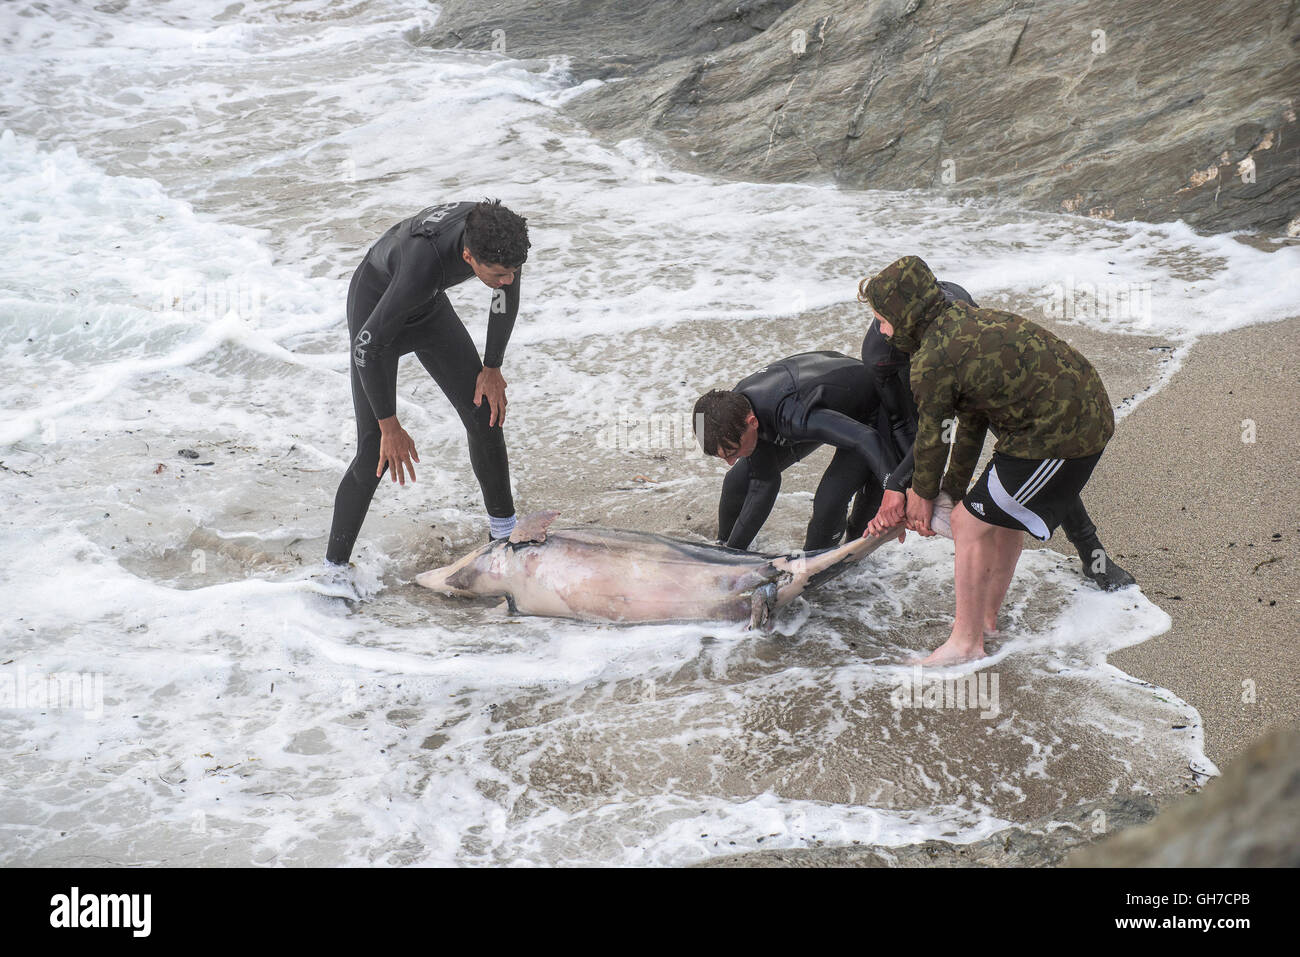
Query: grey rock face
1178, 109
603, 38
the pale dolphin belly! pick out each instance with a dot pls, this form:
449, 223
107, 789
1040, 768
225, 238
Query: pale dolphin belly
599, 574
630, 577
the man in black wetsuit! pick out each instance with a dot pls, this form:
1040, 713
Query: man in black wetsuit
780, 415
397, 304
891, 370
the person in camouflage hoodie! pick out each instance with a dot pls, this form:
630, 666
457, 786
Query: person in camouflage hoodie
892, 375
983, 369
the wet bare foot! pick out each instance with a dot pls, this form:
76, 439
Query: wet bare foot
953, 653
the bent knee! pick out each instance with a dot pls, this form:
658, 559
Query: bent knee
476, 420
366, 461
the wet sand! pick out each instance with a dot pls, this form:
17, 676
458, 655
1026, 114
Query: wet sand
1209, 525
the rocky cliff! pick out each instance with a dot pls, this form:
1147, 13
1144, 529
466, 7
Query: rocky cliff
1177, 109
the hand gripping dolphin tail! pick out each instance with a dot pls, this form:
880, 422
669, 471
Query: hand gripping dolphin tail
611, 575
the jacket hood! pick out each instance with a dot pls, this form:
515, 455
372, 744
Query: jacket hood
908, 296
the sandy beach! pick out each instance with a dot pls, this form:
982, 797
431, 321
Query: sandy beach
1209, 525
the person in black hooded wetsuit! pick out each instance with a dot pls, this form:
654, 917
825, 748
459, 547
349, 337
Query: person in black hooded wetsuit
778, 416
889, 370
880, 505
397, 304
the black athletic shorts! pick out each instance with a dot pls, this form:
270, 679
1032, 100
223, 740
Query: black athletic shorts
1030, 494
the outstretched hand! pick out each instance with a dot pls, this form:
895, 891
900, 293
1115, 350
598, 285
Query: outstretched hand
492, 386
891, 512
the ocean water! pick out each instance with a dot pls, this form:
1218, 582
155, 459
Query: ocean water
185, 189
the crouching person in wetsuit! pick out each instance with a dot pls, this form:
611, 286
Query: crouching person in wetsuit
397, 304
989, 370
890, 368
780, 415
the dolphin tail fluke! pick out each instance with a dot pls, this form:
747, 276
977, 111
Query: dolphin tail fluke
817, 567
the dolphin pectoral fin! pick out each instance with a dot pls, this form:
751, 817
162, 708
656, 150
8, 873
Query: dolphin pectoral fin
532, 528
763, 605
502, 610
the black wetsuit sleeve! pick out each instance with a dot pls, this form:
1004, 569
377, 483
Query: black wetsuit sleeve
837, 429
760, 496
501, 321
896, 400
416, 279
901, 476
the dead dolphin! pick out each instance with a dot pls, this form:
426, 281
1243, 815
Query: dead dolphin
602, 574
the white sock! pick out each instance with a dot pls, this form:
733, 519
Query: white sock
500, 527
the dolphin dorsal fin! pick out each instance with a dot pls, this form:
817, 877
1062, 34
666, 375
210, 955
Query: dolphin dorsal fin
532, 528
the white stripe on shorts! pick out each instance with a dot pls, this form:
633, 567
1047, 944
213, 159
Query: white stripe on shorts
1035, 525
1042, 475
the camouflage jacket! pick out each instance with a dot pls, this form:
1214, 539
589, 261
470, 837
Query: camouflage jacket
986, 369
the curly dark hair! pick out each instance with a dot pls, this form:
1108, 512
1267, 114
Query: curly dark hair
719, 420
493, 234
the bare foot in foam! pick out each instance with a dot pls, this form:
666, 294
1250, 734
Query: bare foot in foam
953, 652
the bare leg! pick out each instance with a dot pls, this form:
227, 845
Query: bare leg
1007, 555
986, 559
